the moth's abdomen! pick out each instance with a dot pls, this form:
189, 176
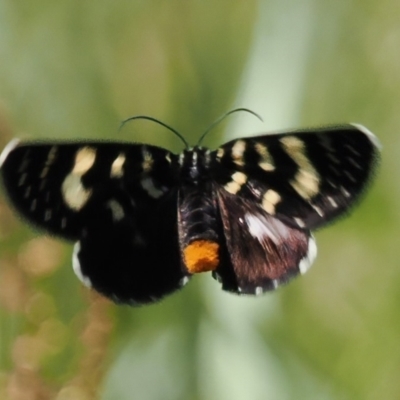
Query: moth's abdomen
198, 229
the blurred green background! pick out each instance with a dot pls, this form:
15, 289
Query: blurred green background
75, 69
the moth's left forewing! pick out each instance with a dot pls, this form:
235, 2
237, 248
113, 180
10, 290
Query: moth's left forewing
306, 178
56, 185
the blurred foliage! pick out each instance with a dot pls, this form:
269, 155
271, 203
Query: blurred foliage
75, 69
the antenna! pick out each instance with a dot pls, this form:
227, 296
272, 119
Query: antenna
158, 122
220, 119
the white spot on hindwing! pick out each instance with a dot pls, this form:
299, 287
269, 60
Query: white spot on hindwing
74, 193
307, 261
184, 281
264, 229
76, 265
259, 291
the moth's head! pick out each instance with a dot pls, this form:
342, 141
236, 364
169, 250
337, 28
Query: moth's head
194, 164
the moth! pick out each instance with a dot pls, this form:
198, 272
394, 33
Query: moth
145, 220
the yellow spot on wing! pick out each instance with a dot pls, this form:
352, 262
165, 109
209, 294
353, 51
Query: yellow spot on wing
270, 200
306, 181
84, 160
148, 161
117, 166
74, 193
201, 256
238, 180
266, 162
238, 150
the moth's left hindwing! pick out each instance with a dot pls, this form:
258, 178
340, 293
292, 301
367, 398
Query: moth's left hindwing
117, 200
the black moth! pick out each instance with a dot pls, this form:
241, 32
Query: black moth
145, 220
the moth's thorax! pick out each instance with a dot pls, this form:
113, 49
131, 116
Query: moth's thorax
194, 165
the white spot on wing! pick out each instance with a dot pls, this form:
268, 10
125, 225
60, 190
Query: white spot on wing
238, 180
220, 153
148, 185
275, 283
332, 201
117, 166
116, 210
306, 181
266, 161
299, 222
317, 209
77, 266
344, 191
74, 193
270, 200
263, 229
258, 291
374, 140
84, 160
184, 281
307, 261
238, 150
7, 150
148, 161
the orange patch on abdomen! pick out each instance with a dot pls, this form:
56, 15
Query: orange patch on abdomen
201, 256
